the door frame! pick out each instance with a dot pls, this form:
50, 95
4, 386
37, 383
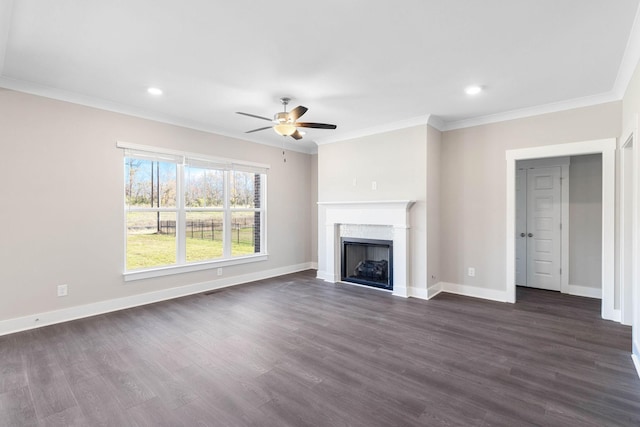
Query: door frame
605, 147
631, 133
628, 223
564, 163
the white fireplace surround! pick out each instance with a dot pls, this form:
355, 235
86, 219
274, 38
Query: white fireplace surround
390, 213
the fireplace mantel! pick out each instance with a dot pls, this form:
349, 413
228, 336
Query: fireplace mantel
391, 213
391, 203
385, 212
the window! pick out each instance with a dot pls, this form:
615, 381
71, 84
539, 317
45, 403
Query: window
187, 210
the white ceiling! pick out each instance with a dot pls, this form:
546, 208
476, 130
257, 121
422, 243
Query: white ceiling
362, 65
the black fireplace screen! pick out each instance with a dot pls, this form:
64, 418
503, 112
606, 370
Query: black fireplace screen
367, 262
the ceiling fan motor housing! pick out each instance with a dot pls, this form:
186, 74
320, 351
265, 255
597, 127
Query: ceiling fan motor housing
283, 117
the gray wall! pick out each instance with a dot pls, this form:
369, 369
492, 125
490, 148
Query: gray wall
434, 142
473, 184
62, 202
585, 221
313, 226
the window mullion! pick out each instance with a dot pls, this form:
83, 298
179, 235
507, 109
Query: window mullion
181, 244
226, 246
263, 216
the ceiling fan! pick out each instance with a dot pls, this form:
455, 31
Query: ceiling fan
286, 124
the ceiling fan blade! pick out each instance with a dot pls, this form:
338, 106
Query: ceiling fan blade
296, 135
316, 125
297, 112
259, 129
254, 116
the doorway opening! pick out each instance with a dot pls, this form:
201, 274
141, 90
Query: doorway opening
558, 223
605, 147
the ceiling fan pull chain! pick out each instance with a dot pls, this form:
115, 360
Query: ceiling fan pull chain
284, 156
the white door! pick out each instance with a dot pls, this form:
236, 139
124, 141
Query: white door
544, 228
521, 227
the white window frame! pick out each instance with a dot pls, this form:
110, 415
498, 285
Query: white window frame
228, 166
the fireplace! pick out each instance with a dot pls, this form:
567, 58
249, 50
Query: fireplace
367, 262
381, 220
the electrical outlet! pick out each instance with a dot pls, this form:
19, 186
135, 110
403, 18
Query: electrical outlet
471, 272
374, 185
63, 290
219, 271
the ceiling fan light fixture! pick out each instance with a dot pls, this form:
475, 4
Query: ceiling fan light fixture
285, 129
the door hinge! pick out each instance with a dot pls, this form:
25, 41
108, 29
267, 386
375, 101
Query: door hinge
561, 272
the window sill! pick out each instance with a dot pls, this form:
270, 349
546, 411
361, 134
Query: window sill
130, 276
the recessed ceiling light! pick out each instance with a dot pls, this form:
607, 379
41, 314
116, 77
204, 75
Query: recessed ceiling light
154, 91
473, 90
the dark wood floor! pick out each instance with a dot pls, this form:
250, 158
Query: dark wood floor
294, 351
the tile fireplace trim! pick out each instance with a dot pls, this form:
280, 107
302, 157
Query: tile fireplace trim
394, 213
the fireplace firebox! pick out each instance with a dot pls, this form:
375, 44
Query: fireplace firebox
367, 262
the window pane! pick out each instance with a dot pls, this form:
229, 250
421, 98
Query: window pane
245, 190
204, 236
149, 183
204, 188
151, 239
245, 233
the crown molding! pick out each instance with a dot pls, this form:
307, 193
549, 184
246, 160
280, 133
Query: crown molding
6, 12
101, 104
436, 122
537, 110
387, 127
428, 119
630, 59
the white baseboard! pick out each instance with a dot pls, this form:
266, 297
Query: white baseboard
434, 290
635, 356
474, 291
612, 314
314, 265
401, 292
420, 293
636, 363
327, 277
584, 291
617, 315
38, 320
454, 288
